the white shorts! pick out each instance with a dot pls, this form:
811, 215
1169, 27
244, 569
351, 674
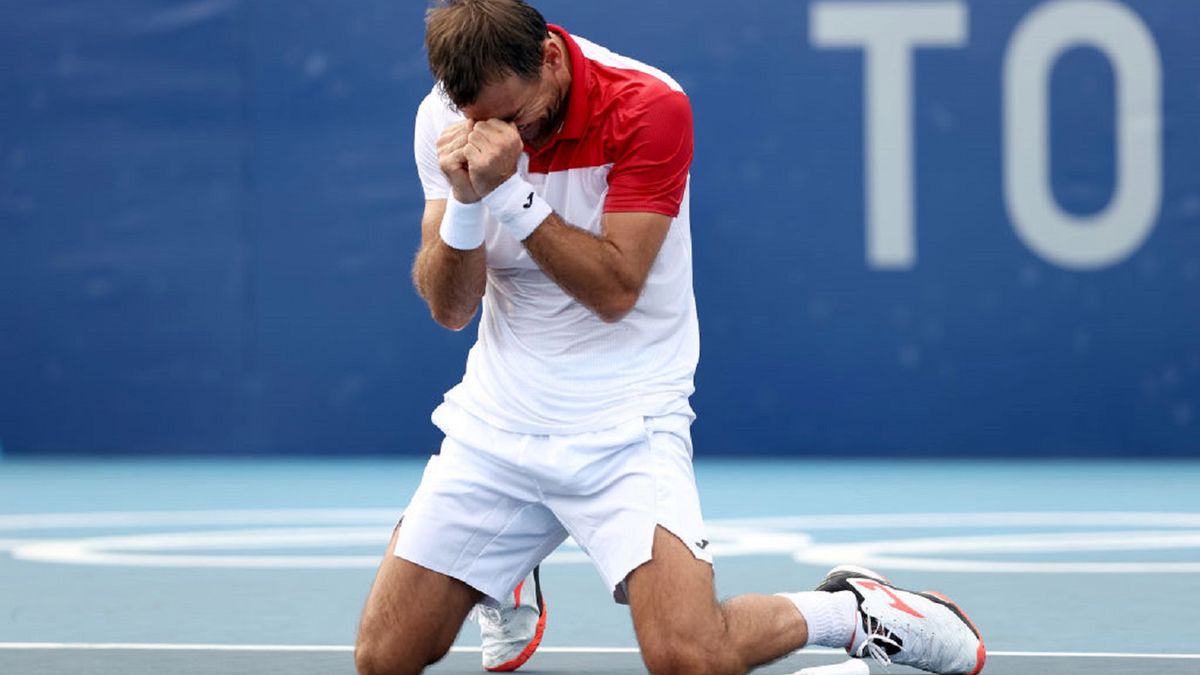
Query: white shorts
493, 504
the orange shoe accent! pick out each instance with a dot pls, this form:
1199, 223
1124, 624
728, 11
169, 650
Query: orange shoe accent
981, 652
981, 655
520, 659
896, 601
517, 593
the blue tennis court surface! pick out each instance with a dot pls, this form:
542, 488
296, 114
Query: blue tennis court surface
262, 566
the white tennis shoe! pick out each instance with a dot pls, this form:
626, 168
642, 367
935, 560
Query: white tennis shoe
512, 632
922, 630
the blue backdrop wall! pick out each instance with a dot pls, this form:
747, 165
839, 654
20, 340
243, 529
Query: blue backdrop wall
925, 227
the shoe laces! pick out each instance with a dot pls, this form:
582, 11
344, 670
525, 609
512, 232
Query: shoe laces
877, 642
481, 613
506, 625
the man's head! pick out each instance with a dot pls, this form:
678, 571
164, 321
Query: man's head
496, 59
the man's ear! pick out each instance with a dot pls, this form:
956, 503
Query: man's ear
552, 54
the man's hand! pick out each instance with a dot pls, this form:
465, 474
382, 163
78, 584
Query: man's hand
493, 149
451, 150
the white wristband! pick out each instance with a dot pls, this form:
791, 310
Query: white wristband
517, 207
462, 225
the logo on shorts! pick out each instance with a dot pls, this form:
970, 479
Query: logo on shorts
702, 544
529, 200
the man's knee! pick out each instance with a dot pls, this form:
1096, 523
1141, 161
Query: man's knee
373, 659
394, 656
685, 656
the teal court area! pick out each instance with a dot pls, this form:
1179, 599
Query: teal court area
247, 566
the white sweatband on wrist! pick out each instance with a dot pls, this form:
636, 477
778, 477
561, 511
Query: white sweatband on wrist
517, 207
462, 225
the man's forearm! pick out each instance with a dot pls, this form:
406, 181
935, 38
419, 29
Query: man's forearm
451, 281
590, 269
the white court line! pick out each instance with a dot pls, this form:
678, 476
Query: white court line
342, 528
167, 647
1096, 655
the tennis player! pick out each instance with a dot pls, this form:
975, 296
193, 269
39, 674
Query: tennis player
556, 178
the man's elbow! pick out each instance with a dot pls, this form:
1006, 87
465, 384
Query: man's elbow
452, 320
617, 306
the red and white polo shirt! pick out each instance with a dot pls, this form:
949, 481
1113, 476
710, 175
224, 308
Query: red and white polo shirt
543, 363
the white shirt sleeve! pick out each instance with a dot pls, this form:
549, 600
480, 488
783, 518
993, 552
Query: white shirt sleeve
432, 117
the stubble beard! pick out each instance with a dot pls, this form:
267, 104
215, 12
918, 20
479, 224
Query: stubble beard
552, 123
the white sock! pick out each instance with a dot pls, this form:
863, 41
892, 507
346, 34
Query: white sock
830, 616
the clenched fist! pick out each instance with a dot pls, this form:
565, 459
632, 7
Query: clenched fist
493, 148
452, 158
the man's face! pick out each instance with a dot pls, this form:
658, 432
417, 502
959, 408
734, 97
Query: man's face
534, 106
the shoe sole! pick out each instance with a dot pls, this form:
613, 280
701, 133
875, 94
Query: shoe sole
836, 580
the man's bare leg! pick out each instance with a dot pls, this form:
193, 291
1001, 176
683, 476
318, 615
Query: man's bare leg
682, 629
411, 618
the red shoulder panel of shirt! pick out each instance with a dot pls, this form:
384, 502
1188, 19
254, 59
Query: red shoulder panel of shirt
635, 122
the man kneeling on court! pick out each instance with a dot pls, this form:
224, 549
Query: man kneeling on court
556, 179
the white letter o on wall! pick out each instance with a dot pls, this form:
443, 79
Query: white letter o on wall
1039, 41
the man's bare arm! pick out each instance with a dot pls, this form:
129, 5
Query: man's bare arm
451, 281
605, 273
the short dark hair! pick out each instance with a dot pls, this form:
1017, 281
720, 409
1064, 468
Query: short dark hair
474, 43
